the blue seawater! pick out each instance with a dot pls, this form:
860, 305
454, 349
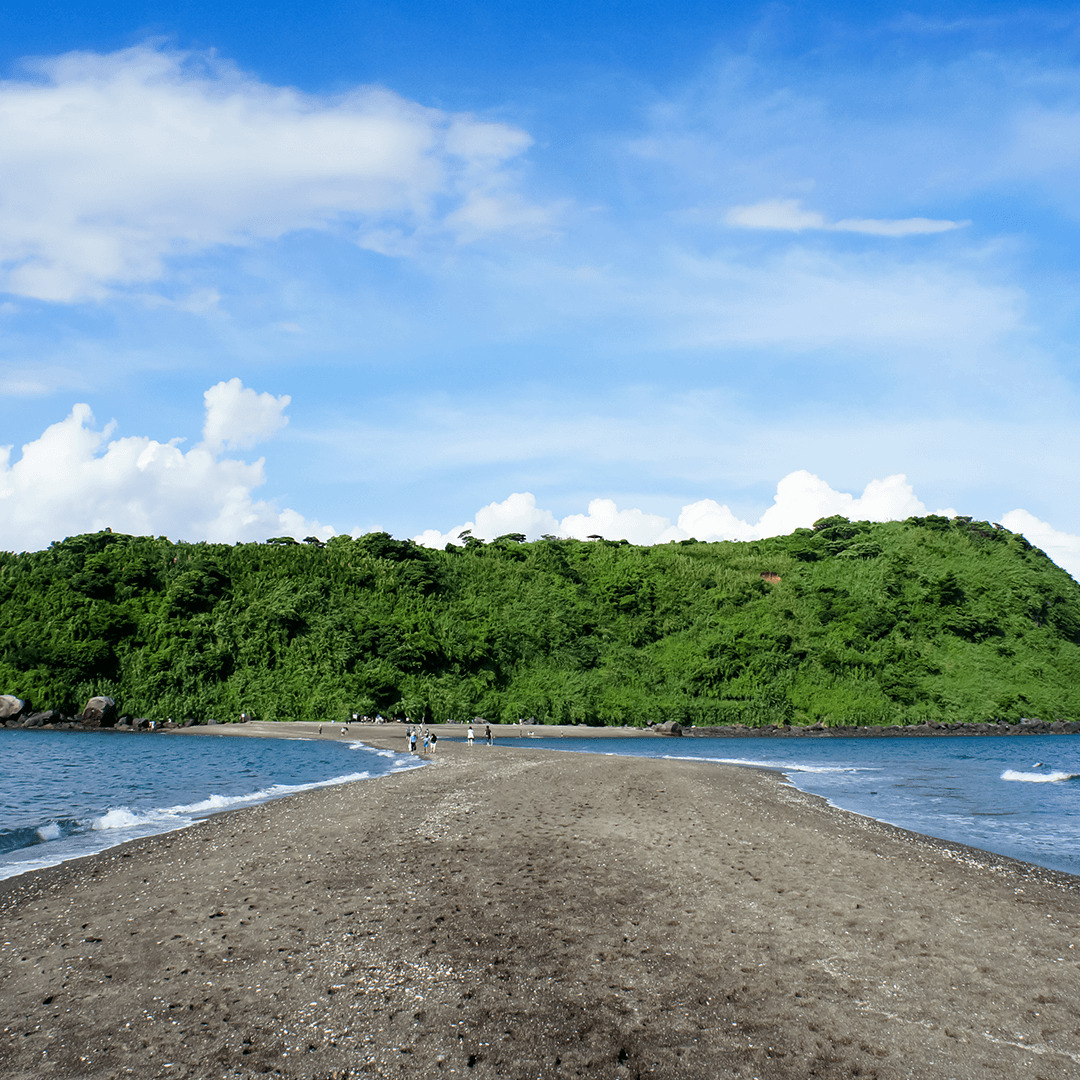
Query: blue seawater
66, 794
1013, 795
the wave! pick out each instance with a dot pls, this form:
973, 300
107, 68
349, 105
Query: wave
275, 791
354, 745
127, 823
779, 766
1039, 777
31, 835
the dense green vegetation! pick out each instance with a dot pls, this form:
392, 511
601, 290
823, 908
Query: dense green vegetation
846, 623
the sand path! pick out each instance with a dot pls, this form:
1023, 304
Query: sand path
517, 913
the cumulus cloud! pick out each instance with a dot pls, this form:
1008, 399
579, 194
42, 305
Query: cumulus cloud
1062, 547
78, 478
238, 417
517, 514
801, 498
113, 163
788, 215
605, 519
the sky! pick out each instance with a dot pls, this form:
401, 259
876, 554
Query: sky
632, 269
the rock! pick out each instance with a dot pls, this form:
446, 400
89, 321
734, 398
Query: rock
669, 727
98, 712
12, 707
40, 719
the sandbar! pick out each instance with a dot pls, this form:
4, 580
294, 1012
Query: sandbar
523, 913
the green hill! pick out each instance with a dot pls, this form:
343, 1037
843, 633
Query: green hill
845, 623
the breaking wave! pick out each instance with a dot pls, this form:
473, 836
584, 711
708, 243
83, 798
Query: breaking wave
1039, 777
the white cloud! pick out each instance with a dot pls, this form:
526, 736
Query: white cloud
807, 300
605, 519
113, 163
237, 417
801, 498
75, 478
788, 215
517, 514
1062, 547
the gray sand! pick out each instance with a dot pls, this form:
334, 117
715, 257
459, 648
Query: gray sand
534, 914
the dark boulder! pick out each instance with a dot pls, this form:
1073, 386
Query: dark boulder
669, 727
98, 712
40, 719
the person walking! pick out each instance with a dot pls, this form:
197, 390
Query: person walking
487, 735
412, 741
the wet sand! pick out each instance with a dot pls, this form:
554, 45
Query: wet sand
527, 914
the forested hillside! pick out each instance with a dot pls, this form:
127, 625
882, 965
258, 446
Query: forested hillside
846, 623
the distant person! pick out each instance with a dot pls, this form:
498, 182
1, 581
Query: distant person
412, 741
487, 734
469, 735
434, 740
427, 742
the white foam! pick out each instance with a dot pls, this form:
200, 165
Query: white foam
781, 766
121, 823
1039, 777
353, 745
119, 818
275, 791
171, 817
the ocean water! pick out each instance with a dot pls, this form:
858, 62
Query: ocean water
1013, 795
65, 794
68, 794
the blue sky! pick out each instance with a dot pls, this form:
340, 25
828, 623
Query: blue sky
618, 268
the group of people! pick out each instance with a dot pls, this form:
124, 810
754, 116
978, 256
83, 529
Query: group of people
489, 738
420, 735
421, 740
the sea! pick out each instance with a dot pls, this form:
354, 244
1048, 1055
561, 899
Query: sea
1013, 795
64, 794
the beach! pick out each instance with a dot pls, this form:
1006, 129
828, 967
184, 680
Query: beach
511, 913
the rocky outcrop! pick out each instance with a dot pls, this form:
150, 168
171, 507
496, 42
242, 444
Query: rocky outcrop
669, 727
98, 712
42, 719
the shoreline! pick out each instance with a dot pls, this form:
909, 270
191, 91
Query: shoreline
929, 729
391, 736
544, 915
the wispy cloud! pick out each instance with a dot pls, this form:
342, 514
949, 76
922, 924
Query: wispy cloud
788, 215
115, 163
